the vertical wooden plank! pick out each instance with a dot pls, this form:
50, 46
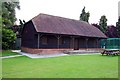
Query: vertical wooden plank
86, 43
38, 40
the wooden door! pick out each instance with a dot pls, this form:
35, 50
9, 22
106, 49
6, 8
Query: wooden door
76, 44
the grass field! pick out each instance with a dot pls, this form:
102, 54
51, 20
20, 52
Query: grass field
73, 66
7, 53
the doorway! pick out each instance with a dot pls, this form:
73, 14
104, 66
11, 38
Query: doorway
76, 44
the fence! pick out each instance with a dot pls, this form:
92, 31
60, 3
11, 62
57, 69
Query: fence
110, 43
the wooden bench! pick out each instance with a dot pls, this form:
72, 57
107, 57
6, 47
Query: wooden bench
111, 52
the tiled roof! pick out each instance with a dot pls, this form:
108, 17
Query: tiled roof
59, 25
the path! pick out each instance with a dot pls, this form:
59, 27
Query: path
41, 56
11, 56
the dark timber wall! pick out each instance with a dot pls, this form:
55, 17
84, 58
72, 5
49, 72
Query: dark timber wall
67, 42
29, 37
52, 42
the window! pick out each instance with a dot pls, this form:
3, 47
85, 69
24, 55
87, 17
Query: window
44, 40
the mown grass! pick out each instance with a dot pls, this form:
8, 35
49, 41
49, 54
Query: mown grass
73, 66
7, 53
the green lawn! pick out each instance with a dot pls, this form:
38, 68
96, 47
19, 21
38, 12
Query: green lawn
7, 53
73, 66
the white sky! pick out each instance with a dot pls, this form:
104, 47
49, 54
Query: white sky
70, 9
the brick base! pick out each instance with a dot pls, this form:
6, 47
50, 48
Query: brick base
43, 51
53, 51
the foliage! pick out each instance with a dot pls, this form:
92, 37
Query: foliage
112, 32
8, 13
0, 39
84, 16
18, 28
22, 22
118, 27
103, 24
8, 20
8, 38
96, 25
72, 66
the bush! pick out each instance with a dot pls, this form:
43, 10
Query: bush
8, 38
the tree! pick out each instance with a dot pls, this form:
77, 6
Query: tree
84, 16
18, 28
96, 25
8, 13
8, 20
118, 27
0, 34
22, 22
111, 32
103, 24
8, 38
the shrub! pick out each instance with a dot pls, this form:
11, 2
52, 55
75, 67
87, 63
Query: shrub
8, 38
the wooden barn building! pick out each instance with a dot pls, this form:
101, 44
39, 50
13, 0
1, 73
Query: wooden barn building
50, 34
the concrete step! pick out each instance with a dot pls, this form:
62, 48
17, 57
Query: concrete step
82, 51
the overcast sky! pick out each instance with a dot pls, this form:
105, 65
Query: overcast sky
70, 9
